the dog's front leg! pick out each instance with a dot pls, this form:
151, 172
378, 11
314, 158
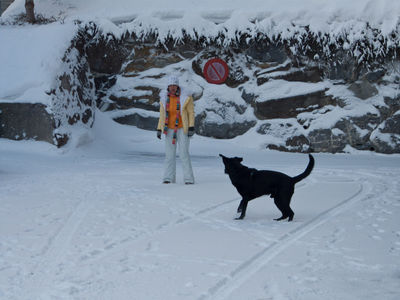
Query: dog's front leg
242, 207
239, 209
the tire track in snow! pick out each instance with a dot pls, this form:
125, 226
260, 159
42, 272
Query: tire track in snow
226, 286
36, 283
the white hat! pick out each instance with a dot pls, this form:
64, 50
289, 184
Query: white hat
173, 80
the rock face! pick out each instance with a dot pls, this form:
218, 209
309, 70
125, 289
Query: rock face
293, 93
290, 107
284, 97
20, 121
234, 60
138, 120
386, 138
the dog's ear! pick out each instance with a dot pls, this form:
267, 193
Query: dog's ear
239, 159
221, 155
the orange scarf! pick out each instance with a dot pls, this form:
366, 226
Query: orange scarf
173, 118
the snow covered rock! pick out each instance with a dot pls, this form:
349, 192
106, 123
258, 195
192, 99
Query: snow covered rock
320, 103
235, 62
363, 89
290, 107
386, 138
140, 120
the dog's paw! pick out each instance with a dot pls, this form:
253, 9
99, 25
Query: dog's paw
241, 217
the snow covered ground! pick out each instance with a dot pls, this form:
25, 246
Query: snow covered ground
93, 221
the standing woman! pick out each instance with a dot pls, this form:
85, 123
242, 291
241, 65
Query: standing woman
177, 123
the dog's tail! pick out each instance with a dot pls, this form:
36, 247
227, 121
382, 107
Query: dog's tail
307, 170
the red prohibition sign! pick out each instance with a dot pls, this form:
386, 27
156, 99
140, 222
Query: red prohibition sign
216, 71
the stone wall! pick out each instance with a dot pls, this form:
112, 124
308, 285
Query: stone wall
288, 123
20, 121
295, 98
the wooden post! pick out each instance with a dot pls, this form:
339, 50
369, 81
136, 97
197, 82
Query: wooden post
30, 12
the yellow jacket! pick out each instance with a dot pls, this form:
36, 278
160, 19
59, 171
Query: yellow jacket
187, 112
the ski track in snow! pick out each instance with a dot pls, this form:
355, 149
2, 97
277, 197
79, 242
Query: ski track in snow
59, 243
163, 227
225, 287
200, 214
54, 255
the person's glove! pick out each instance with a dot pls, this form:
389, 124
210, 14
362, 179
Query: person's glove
159, 134
191, 131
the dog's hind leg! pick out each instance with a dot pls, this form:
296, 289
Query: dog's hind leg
243, 207
281, 207
283, 203
288, 198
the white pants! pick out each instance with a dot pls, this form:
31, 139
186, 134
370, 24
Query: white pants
182, 141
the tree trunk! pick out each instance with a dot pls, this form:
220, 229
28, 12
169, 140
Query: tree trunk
30, 12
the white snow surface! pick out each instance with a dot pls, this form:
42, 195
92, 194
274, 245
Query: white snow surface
94, 221
30, 58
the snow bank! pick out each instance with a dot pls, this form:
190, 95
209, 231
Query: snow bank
320, 15
210, 17
30, 57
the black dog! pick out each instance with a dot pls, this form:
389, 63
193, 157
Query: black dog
252, 183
